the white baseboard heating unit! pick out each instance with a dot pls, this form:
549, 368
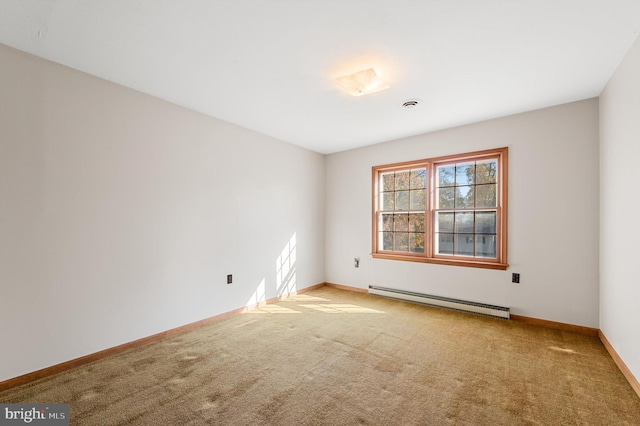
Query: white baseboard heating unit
442, 302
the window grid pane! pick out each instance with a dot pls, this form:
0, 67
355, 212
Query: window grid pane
466, 209
402, 201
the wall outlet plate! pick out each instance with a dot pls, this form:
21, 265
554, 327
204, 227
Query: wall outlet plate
515, 278
229, 279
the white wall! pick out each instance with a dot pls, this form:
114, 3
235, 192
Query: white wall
620, 209
121, 214
553, 215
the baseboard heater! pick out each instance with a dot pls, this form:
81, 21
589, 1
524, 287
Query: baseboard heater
442, 302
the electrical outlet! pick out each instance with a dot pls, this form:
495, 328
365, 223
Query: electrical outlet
515, 278
229, 279
356, 262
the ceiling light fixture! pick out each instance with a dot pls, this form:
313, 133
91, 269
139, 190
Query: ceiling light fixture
362, 82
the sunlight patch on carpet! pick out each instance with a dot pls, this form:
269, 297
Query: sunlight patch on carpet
307, 298
272, 309
566, 351
341, 308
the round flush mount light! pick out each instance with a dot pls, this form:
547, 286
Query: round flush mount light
362, 82
411, 103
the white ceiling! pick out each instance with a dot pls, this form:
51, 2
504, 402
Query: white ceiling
269, 65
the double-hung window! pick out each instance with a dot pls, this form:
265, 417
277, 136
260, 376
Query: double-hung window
447, 210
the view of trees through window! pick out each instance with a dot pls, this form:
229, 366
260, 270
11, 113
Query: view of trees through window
403, 203
466, 208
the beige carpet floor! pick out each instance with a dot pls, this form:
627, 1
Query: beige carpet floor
332, 357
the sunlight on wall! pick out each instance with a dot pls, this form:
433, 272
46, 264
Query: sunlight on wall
286, 268
258, 296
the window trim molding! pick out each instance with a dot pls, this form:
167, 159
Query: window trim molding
499, 263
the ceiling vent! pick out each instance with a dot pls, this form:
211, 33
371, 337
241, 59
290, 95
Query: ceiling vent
411, 103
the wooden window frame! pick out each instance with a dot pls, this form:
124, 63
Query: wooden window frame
500, 262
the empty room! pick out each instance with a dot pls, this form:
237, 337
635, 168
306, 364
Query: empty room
319, 212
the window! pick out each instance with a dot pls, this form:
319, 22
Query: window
447, 210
